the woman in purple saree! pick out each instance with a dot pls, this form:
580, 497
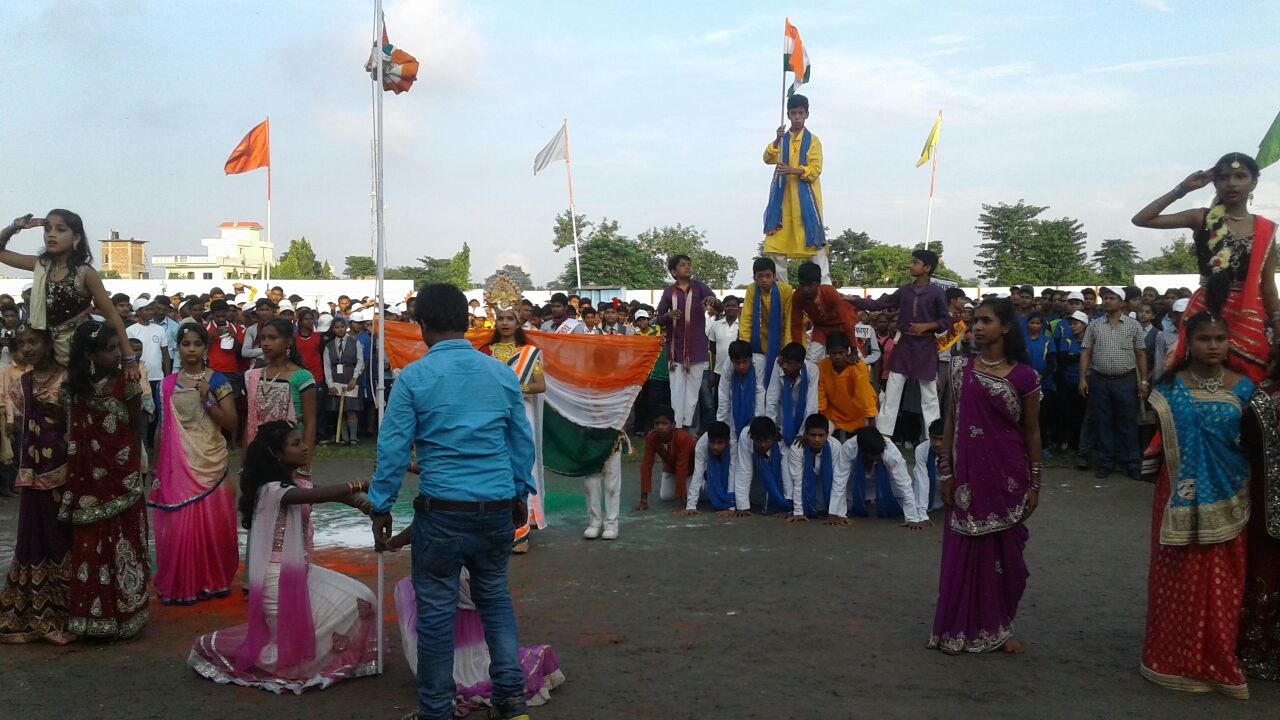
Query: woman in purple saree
989, 472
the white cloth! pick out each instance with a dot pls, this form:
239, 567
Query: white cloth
865, 335
569, 326
605, 488
724, 409
721, 333
154, 341
585, 407
745, 471
887, 419
793, 472
338, 347
898, 476
920, 478
686, 382
699, 476
773, 396
820, 257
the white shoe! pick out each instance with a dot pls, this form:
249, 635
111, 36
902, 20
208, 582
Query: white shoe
593, 532
610, 533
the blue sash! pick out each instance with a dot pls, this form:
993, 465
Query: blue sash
817, 496
742, 391
886, 504
770, 474
815, 236
719, 494
933, 479
775, 330
793, 413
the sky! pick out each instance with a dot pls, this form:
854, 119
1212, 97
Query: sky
125, 111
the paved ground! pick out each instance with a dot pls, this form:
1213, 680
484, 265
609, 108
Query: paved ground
708, 618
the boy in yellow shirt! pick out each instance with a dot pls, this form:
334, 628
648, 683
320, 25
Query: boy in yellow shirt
845, 395
793, 218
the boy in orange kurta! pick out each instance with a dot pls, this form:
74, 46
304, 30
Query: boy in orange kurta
845, 394
675, 447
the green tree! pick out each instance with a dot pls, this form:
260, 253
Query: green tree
1054, 254
514, 273
460, 268
1116, 261
884, 266
844, 252
360, 267
1177, 258
299, 263
562, 230
709, 266
612, 260
1005, 231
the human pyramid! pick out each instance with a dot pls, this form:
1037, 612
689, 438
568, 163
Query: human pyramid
793, 401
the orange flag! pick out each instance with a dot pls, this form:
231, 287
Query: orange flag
253, 152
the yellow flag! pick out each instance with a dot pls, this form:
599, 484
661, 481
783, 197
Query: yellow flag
930, 142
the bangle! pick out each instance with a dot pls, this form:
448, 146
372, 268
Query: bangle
208, 404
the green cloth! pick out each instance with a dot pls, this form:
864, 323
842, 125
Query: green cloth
1269, 149
574, 450
659, 371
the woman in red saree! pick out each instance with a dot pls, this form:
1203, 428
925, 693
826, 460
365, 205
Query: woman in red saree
1234, 249
103, 501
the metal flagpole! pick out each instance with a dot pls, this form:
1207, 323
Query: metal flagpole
573, 215
933, 174
271, 249
379, 261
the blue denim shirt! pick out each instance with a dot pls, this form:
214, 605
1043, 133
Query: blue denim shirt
464, 413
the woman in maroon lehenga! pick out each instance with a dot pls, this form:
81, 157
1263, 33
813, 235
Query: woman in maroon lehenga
33, 601
1259, 642
110, 563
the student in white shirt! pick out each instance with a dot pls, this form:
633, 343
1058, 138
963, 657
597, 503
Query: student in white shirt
714, 465
868, 447
155, 353
793, 394
924, 474
760, 478
864, 338
816, 460
744, 380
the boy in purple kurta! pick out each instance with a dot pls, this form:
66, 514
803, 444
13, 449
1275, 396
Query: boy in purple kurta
922, 311
684, 322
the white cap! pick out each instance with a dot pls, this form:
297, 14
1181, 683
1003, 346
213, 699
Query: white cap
26, 288
1079, 315
641, 315
285, 305
1180, 305
478, 312
1075, 295
324, 322
361, 316
1117, 291
240, 299
141, 303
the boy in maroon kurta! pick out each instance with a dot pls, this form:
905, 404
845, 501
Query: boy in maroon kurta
675, 447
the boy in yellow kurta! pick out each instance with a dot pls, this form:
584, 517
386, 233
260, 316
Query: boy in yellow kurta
765, 318
793, 218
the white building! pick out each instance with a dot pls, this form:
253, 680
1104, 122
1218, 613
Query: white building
238, 253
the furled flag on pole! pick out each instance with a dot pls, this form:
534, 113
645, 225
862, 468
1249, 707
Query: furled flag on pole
795, 57
1269, 148
253, 152
931, 142
591, 387
399, 68
555, 150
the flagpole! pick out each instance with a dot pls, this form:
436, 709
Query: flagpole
271, 249
933, 174
380, 249
573, 215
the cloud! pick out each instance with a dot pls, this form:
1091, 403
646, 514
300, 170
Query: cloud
1157, 5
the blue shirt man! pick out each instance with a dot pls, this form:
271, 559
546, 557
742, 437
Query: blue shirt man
464, 414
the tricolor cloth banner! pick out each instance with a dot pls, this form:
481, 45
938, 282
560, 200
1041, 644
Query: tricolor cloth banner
794, 57
399, 68
592, 382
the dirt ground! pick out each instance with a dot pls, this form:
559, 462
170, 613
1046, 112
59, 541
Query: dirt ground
708, 618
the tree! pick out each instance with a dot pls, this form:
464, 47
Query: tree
1055, 254
514, 273
844, 252
360, 267
1005, 231
563, 230
299, 263
884, 266
1116, 261
612, 260
709, 266
1178, 258
109, 275
460, 268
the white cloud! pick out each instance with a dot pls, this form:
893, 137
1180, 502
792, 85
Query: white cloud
1157, 5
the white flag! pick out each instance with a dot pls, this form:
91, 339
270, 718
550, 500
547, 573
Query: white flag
555, 150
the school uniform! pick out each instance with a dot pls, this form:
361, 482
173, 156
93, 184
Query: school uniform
749, 389
760, 480
714, 473
812, 477
790, 402
849, 487
924, 478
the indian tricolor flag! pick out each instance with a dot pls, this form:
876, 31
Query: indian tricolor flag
794, 57
592, 382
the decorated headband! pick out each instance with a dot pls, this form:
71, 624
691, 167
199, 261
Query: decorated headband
502, 294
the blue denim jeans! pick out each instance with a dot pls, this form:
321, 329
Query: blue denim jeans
443, 543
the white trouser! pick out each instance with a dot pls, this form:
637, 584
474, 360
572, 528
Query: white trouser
667, 487
887, 419
686, 381
815, 351
820, 257
607, 483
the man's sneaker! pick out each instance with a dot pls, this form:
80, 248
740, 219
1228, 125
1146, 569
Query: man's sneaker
610, 533
592, 532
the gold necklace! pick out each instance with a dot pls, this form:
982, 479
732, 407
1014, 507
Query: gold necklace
194, 378
991, 365
1209, 384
